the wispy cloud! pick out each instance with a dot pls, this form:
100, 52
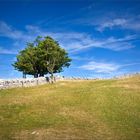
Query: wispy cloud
130, 64
7, 51
100, 67
109, 18
72, 41
111, 23
7, 31
105, 67
111, 43
122, 23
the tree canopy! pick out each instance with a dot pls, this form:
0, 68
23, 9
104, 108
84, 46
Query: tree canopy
41, 57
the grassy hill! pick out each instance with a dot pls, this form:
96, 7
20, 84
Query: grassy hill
72, 110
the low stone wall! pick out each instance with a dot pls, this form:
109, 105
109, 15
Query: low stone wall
12, 83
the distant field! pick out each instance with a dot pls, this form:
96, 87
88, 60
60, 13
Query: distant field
72, 110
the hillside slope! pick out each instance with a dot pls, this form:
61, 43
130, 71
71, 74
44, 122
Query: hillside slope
72, 110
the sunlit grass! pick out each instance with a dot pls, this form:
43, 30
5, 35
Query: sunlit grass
72, 110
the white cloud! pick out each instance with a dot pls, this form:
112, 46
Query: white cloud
123, 23
100, 67
115, 44
7, 51
130, 64
8, 31
106, 67
111, 23
72, 41
119, 46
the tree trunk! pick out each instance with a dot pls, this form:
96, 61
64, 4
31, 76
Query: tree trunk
36, 75
52, 78
41, 75
24, 75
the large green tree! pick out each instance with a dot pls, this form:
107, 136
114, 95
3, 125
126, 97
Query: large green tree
41, 57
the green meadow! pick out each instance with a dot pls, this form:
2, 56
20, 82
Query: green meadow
72, 110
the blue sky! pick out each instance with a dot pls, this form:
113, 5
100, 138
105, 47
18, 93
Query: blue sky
102, 37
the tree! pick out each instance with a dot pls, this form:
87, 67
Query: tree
56, 57
41, 57
27, 61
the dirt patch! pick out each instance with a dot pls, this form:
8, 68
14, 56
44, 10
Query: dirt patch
49, 134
